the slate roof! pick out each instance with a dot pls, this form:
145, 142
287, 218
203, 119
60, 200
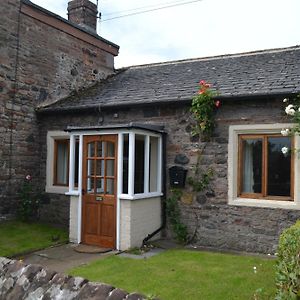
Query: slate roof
261, 73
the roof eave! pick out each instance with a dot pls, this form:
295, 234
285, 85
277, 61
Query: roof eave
181, 101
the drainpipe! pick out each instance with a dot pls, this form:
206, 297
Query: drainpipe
164, 190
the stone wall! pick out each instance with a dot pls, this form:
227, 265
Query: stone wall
39, 63
218, 224
19, 281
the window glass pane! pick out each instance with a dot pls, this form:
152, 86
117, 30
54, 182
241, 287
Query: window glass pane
90, 185
91, 149
110, 186
100, 147
110, 167
153, 164
62, 162
100, 167
252, 166
100, 185
139, 165
90, 167
110, 149
279, 167
125, 163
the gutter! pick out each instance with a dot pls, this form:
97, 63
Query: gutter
166, 101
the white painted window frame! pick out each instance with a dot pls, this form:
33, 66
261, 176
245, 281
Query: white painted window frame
233, 199
131, 159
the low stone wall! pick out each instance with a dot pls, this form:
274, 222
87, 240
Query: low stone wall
30, 282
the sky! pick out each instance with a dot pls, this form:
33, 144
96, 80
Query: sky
199, 29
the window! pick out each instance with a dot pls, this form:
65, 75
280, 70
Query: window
58, 160
141, 168
259, 174
139, 164
264, 171
61, 162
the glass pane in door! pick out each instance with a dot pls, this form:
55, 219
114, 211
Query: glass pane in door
110, 167
110, 149
110, 186
91, 149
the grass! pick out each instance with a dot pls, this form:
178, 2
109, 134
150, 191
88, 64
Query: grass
185, 274
18, 237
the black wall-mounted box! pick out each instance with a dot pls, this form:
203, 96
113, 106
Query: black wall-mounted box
177, 176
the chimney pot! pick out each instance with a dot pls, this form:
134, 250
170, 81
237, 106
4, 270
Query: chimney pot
83, 13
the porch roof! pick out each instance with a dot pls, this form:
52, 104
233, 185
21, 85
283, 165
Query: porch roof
146, 127
268, 73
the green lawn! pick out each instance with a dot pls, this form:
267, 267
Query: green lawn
185, 274
18, 237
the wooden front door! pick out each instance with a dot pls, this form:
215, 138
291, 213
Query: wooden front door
99, 190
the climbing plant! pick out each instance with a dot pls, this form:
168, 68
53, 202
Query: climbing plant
203, 109
174, 215
201, 178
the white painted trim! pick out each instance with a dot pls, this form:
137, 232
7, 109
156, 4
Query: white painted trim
80, 188
51, 137
119, 186
131, 163
159, 167
72, 193
233, 199
72, 163
139, 196
146, 164
115, 131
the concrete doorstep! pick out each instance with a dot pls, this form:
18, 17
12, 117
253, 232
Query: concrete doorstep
63, 257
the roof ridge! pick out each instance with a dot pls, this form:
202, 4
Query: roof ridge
215, 57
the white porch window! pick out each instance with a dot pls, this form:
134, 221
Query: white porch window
141, 165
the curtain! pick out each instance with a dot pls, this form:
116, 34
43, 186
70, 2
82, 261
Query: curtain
248, 176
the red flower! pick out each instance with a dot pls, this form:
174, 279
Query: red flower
202, 82
218, 103
201, 92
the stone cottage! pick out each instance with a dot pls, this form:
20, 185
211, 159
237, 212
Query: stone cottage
102, 154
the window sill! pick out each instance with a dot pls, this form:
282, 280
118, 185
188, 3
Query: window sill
72, 193
53, 189
265, 203
139, 196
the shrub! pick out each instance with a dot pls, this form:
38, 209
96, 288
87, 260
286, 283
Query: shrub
288, 264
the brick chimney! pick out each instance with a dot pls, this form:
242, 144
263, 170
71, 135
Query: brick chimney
83, 13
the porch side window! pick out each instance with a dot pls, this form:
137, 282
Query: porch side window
153, 165
264, 172
141, 164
